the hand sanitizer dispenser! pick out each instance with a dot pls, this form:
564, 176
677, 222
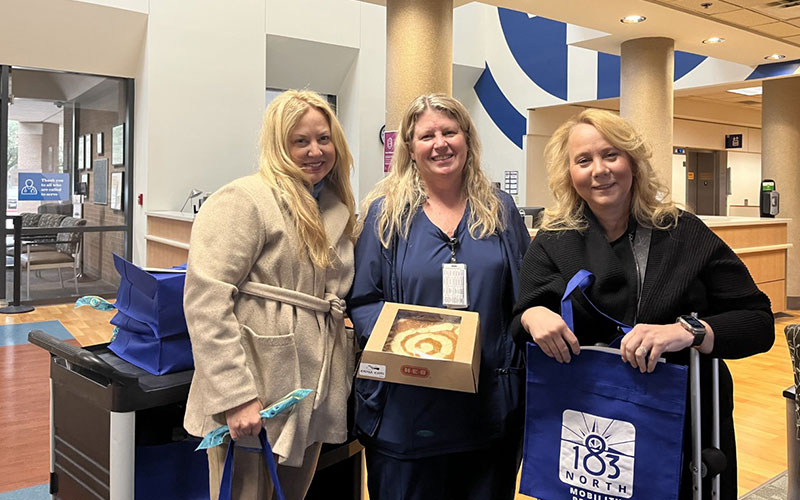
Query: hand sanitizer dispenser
770, 199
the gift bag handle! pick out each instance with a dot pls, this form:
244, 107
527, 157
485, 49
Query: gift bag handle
226, 485
581, 281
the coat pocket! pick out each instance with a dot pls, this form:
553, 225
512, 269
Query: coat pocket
274, 363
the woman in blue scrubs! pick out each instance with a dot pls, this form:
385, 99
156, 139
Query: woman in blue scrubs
436, 207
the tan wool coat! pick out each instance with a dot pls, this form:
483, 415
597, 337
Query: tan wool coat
264, 320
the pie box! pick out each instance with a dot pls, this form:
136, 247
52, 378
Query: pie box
457, 374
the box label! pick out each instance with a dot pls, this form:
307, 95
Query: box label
415, 371
372, 370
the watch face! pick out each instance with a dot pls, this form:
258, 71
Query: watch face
692, 322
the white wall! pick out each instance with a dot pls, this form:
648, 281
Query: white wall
745, 178
199, 101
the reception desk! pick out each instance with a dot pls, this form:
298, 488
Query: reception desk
762, 244
167, 238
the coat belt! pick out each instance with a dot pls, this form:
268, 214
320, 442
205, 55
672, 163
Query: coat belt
329, 303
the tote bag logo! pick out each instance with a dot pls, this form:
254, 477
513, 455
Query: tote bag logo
597, 455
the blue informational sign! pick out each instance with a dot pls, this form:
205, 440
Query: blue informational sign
43, 187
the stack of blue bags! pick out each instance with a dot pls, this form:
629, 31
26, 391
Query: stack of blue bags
151, 328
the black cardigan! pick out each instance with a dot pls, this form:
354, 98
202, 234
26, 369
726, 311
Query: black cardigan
689, 269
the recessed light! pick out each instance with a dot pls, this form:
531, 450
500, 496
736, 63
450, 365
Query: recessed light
714, 39
747, 91
632, 19
775, 57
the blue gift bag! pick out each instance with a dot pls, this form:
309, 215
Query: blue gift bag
156, 356
154, 299
597, 428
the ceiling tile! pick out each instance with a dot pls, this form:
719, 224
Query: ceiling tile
744, 17
795, 22
793, 39
716, 7
779, 10
778, 29
748, 3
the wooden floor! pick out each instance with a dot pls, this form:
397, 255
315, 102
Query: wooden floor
760, 409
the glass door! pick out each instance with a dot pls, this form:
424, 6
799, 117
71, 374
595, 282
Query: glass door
68, 167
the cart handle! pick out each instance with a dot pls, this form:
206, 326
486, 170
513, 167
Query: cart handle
78, 356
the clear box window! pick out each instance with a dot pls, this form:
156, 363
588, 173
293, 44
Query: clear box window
423, 335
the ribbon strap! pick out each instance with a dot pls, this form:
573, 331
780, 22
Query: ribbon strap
583, 280
226, 485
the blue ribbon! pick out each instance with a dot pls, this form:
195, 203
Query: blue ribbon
582, 280
217, 436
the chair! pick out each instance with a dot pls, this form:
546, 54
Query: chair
793, 414
65, 254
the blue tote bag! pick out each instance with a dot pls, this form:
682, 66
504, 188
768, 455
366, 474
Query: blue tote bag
596, 428
154, 355
155, 299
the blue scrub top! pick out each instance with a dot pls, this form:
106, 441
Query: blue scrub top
417, 421
420, 271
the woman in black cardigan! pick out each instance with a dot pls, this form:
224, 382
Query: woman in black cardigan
652, 263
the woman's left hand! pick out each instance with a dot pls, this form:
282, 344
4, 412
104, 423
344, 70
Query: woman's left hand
644, 344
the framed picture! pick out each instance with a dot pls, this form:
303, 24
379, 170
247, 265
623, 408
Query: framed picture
99, 140
87, 147
116, 191
81, 154
118, 145
100, 190
83, 186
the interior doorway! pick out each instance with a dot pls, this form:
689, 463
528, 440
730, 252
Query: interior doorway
706, 181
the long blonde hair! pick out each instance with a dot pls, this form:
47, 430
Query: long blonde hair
403, 191
647, 189
289, 182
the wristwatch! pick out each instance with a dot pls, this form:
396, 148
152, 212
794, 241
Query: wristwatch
693, 326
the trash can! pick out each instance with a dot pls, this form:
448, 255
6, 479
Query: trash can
792, 447
116, 432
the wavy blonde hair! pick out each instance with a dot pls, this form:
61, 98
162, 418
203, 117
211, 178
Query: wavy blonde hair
288, 181
403, 190
647, 188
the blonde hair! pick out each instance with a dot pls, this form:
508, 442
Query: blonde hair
647, 190
288, 181
403, 191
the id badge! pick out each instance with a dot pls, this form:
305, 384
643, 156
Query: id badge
454, 285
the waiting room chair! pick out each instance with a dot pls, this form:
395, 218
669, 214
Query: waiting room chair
65, 254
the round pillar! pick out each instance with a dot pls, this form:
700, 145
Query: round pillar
780, 150
419, 53
646, 96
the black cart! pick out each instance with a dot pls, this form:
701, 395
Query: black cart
116, 432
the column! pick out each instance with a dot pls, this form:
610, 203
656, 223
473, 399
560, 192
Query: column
419, 53
646, 96
780, 151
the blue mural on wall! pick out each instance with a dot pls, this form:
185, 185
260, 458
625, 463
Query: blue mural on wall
539, 46
510, 121
608, 66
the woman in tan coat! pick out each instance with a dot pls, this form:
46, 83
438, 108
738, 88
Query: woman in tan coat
271, 255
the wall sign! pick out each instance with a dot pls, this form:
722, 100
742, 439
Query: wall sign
389, 138
43, 187
733, 141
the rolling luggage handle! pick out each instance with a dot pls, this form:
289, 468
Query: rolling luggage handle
712, 459
79, 356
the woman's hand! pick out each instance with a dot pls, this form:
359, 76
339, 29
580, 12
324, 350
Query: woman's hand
644, 344
550, 333
244, 420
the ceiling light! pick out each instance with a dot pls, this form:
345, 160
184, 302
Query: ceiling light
775, 57
632, 19
747, 91
714, 39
